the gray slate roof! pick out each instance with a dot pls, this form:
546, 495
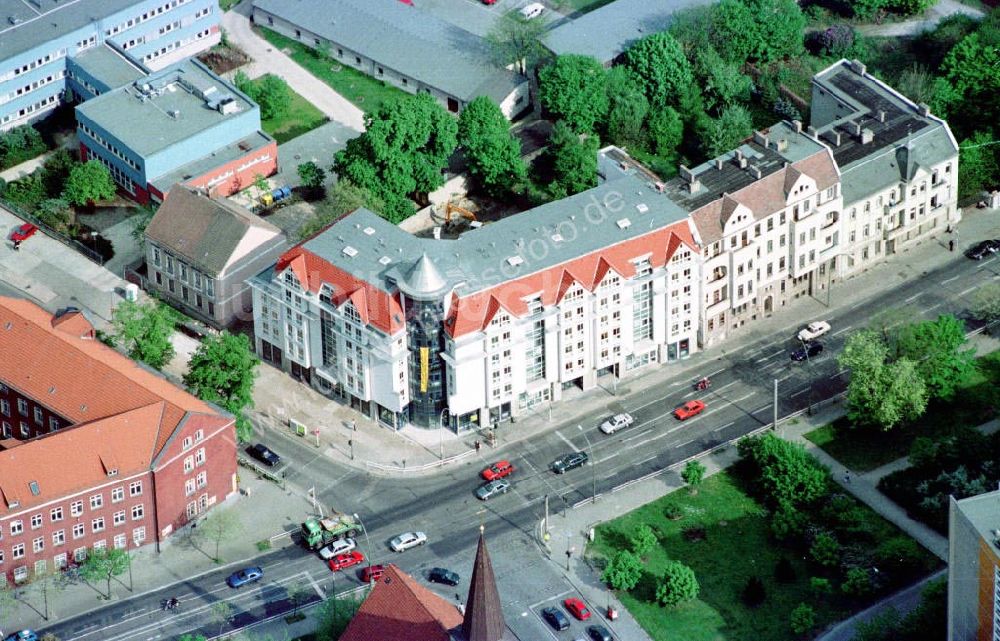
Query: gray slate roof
204, 231
109, 66
406, 39
606, 32
54, 19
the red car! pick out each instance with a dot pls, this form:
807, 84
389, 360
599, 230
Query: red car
372, 573
24, 232
498, 470
489, 1
577, 608
689, 409
342, 561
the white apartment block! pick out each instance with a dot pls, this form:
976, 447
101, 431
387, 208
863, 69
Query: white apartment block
633, 274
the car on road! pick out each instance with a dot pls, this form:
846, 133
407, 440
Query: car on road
555, 618
407, 540
342, 546
689, 409
577, 608
348, 560
372, 573
568, 462
599, 633
809, 350
22, 635
265, 455
617, 422
247, 575
441, 575
983, 249
24, 232
498, 470
488, 490
532, 10
813, 331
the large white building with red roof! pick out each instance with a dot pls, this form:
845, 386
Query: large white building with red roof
96, 450
635, 272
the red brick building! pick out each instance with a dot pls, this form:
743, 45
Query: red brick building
97, 450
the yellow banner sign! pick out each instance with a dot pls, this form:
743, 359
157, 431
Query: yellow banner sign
424, 367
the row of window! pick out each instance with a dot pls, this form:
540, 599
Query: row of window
187, 274
148, 15
28, 66
76, 508
43, 104
189, 298
59, 561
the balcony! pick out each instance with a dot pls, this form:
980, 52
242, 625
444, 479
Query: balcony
831, 219
717, 274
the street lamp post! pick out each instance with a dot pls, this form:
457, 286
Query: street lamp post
369, 544
593, 464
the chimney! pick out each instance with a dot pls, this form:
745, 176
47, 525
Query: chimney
694, 186
755, 170
881, 115
686, 173
925, 111
797, 126
811, 131
718, 164
866, 136
855, 128
741, 160
760, 138
782, 144
858, 67
833, 136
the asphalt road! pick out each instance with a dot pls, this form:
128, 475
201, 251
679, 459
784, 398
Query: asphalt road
444, 506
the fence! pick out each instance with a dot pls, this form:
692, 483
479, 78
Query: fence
62, 238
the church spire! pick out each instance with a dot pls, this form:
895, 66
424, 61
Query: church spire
483, 616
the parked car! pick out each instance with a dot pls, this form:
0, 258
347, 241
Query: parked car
342, 546
810, 350
599, 633
617, 422
23, 635
498, 470
689, 409
570, 461
532, 10
555, 618
372, 573
813, 331
348, 560
983, 249
407, 540
577, 608
488, 490
21, 234
441, 575
265, 455
247, 575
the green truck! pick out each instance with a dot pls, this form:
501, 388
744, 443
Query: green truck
318, 532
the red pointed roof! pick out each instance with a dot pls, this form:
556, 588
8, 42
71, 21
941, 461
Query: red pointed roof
483, 612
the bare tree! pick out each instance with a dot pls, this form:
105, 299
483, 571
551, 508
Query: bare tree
222, 613
219, 526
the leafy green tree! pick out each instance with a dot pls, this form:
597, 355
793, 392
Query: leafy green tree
643, 540
692, 27
978, 169
666, 131
940, 352
55, 171
88, 183
857, 582
721, 134
493, 153
103, 564
404, 150
20, 144
677, 585
900, 556
298, 594
516, 42
693, 474
661, 66
192, 637
802, 619
825, 550
820, 586
735, 31
722, 81
758, 30
342, 198
627, 107
222, 370
270, 92
143, 329
572, 89
788, 521
27, 192
55, 213
140, 222
334, 615
573, 161
788, 474
971, 83
311, 175
986, 303
880, 393
623, 571
221, 525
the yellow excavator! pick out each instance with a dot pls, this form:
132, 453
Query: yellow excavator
451, 208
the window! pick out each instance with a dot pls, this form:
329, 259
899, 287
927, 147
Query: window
53, 423
118, 518
56, 514
39, 416
59, 537
100, 545
199, 436
76, 508
17, 551
97, 525
199, 457
118, 494
186, 444
36, 521
97, 501
38, 544
59, 561
78, 530
139, 535
5, 407
80, 555
138, 510
135, 488
188, 464
189, 487
201, 479
120, 541
22, 407
16, 527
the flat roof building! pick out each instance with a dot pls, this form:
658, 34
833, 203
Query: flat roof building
974, 568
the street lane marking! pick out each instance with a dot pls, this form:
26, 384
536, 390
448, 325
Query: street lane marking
784, 378
801, 391
846, 329
966, 291
566, 440
914, 297
719, 429
687, 442
551, 598
932, 307
945, 282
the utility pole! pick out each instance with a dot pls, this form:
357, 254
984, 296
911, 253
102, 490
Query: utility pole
774, 426
546, 513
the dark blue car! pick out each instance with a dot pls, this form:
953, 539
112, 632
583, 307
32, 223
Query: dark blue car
242, 577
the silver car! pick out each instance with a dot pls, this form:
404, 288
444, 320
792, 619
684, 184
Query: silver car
342, 546
617, 422
407, 540
491, 489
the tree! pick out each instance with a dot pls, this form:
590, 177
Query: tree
103, 564
784, 571
297, 595
342, 198
405, 148
627, 107
222, 613
802, 619
270, 92
643, 540
260, 184
677, 585
55, 213
978, 166
666, 130
857, 582
311, 175
572, 89
623, 571
901, 556
661, 66
825, 550
693, 474
49, 636
788, 475
55, 171
493, 153
724, 133
221, 525
140, 222
20, 144
940, 353
734, 31
27, 192
757, 30
222, 370
722, 81
986, 303
88, 183
334, 615
573, 161
192, 637
880, 393
820, 586
143, 330
516, 42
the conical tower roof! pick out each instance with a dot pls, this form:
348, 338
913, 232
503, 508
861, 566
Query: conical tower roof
423, 279
483, 615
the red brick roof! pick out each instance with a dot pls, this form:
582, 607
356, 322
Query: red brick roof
121, 412
473, 313
400, 609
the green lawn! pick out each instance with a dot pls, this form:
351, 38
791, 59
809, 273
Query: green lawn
738, 545
584, 6
361, 89
302, 116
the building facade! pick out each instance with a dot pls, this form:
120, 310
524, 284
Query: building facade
119, 458
974, 568
39, 37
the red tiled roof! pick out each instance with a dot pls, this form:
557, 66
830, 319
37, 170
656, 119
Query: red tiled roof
473, 313
400, 609
375, 306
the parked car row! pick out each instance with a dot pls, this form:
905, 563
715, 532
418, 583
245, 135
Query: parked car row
559, 621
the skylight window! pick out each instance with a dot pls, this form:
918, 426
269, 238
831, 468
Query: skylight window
514, 261
624, 223
350, 252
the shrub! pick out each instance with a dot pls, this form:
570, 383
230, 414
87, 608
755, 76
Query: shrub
754, 592
643, 540
825, 550
820, 586
624, 571
672, 511
900, 556
802, 619
858, 582
677, 585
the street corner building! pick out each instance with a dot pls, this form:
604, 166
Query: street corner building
974, 568
97, 451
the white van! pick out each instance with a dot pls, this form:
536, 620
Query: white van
532, 10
